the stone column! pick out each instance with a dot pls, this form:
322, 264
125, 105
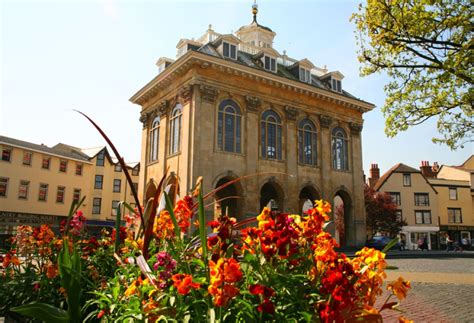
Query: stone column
291, 161
326, 168
358, 185
251, 203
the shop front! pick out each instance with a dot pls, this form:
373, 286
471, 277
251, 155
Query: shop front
462, 235
415, 235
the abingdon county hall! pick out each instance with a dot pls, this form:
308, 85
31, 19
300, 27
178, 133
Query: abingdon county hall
230, 105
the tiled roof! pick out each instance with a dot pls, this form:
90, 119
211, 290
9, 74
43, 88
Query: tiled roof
249, 60
398, 168
59, 149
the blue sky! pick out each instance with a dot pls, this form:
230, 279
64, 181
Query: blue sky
93, 55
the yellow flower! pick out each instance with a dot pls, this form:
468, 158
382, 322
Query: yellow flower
401, 319
399, 287
264, 217
132, 289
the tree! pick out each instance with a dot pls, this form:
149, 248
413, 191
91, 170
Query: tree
381, 213
425, 47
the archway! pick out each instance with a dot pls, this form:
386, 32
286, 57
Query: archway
307, 196
271, 196
173, 182
341, 215
150, 191
228, 199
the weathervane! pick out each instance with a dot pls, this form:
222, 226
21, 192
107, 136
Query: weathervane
255, 10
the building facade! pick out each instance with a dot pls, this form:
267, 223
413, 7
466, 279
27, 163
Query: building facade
38, 184
456, 194
416, 199
231, 106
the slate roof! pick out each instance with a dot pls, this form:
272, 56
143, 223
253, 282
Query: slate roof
59, 149
249, 60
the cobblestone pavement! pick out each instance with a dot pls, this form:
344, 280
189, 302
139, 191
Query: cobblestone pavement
442, 290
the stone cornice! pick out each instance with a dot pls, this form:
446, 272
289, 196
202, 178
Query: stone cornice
205, 61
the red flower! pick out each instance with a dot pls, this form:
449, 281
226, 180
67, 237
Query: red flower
101, 313
266, 307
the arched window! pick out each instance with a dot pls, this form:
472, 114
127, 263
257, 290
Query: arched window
271, 135
175, 129
340, 159
154, 139
307, 142
229, 127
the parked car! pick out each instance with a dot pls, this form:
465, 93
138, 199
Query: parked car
379, 243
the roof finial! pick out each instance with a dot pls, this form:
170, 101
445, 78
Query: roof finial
255, 10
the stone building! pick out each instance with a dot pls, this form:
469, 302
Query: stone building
231, 105
38, 184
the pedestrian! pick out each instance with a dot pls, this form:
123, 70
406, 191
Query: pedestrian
403, 242
449, 243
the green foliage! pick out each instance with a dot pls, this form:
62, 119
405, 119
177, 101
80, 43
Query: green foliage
425, 47
43, 312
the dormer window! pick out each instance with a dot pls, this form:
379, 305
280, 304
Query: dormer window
229, 50
305, 75
269, 63
336, 85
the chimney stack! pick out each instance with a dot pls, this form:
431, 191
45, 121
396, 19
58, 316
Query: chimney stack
426, 169
374, 174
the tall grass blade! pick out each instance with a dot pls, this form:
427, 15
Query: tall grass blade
120, 159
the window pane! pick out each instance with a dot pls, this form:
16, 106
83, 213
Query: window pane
60, 194
23, 189
27, 158
300, 146
427, 217
453, 194
229, 132
233, 52
43, 192
419, 217
226, 50
3, 186
46, 162
6, 154
220, 130
237, 135
273, 67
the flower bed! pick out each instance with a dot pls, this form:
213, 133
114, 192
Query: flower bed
285, 269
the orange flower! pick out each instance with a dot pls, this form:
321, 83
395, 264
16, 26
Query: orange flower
401, 319
399, 287
51, 271
184, 283
163, 226
132, 289
223, 274
183, 214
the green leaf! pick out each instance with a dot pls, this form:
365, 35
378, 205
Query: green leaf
43, 312
169, 208
390, 245
198, 262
